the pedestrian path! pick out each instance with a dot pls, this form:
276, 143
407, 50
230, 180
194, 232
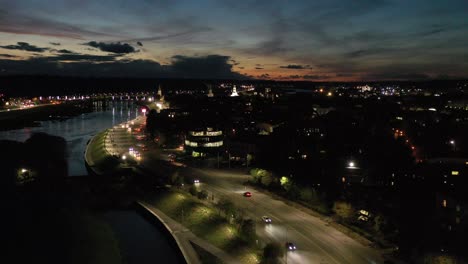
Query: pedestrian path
184, 236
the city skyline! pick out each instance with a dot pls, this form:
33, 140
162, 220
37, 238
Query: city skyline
318, 41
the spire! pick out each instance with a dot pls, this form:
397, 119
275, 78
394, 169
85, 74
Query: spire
160, 91
234, 91
160, 94
210, 91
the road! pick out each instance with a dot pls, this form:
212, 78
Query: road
316, 241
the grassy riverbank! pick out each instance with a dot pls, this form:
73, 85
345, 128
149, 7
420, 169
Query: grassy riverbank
206, 222
97, 157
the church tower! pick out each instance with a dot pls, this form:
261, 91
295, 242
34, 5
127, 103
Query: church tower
234, 91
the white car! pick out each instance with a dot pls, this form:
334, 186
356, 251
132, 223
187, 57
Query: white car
266, 219
196, 181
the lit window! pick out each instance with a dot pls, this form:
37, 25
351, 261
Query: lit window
454, 172
444, 203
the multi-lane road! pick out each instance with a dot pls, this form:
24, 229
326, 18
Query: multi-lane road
316, 241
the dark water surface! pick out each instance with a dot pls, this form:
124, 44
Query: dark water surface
141, 242
78, 130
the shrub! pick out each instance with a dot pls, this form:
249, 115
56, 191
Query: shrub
193, 190
202, 195
272, 252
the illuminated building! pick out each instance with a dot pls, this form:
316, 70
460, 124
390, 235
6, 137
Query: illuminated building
234, 92
202, 142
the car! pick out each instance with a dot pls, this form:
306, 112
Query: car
248, 194
290, 246
196, 181
266, 219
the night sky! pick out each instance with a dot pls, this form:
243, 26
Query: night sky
316, 40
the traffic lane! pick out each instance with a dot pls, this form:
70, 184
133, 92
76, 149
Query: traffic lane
331, 241
309, 252
325, 243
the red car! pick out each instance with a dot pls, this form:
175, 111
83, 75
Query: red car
248, 194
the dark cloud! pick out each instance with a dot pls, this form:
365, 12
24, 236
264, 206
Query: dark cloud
315, 77
97, 67
64, 51
214, 66
264, 76
258, 68
234, 62
24, 46
120, 48
55, 43
139, 43
309, 77
296, 67
8, 56
83, 57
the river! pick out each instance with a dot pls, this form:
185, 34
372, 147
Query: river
140, 241
78, 130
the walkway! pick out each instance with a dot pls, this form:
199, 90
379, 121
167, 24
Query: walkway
184, 236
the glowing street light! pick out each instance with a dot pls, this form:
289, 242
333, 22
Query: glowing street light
351, 165
452, 142
124, 157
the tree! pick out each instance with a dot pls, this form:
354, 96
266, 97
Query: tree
227, 207
380, 224
248, 231
193, 190
266, 179
344, 210
285, 182
308, 194
202, 195
272, 252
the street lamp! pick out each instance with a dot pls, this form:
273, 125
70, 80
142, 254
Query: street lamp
452, 142
351, 165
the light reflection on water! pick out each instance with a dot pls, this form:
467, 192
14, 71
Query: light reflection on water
78, 130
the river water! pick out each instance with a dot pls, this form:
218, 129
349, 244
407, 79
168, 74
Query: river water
78, 130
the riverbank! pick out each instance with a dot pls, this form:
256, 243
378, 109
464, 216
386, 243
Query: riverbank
201, 225
32, 117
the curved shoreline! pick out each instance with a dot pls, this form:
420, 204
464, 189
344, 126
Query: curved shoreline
184, 254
